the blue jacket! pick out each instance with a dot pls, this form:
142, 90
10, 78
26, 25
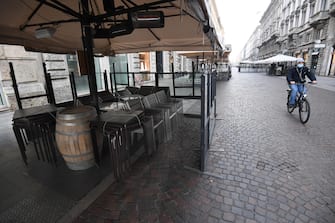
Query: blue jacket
293, 75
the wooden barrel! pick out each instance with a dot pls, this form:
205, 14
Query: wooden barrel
73, 136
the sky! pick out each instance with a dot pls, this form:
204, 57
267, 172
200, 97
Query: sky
239, 19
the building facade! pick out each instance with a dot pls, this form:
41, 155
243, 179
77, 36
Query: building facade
300, 28
250, 52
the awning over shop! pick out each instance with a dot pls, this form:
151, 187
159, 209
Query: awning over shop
185, 26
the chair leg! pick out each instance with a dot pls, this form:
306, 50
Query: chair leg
52, 144
20, 141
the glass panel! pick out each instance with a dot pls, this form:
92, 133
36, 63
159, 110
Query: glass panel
183, 79
144, 79
184, 92
1, 101
165, 80
82, 85
98, 74
120, 64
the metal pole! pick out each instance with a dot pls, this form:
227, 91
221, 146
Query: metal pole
156, 80
128, 74
197, 63
16, 90
193, 77
49, 88
88, 50
111, 80
115, 84
173, 83
73, 88
134, 83
105, 80
159, 66
203, 132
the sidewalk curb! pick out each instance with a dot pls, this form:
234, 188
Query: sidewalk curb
87, 200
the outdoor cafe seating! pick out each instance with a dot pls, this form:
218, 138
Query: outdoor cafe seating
122, 128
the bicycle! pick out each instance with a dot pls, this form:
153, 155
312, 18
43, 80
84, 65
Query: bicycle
301, 102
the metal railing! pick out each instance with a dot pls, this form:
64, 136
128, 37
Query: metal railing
208, 114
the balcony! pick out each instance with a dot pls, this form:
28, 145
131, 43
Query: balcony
228, 48
332, 9
275, 34
318, 18
293, 31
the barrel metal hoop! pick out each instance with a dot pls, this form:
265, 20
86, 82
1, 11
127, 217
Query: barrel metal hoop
72, 123
78, 155
73, 134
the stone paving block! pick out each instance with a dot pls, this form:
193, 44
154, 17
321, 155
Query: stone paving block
248, 214
250, 221
268, 171
236, 210
228, 216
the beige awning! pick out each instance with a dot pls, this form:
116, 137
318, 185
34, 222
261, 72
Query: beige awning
183, 30
212, 55
199, 54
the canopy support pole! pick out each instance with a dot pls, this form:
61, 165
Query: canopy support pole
88, 50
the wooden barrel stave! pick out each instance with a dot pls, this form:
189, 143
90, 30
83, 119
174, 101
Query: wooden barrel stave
73, 138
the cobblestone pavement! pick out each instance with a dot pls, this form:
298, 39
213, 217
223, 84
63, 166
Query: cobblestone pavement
264, 165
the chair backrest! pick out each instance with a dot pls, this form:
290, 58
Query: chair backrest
146, 90
85, 100
166, 89
124, 92
135, 104
133, 90
106, 96
161, 96
149, 101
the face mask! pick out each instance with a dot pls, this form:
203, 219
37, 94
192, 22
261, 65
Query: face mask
300, 65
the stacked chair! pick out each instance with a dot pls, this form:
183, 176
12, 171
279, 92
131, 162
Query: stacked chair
157, 117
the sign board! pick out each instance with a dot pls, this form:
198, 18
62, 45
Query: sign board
319, 45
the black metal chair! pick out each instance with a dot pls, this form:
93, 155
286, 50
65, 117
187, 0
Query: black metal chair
42, 129
146, 90
38, 130
126, 94
107, 135
133, 90
116, 143
106, 96
176, 104
157, 120
170, 114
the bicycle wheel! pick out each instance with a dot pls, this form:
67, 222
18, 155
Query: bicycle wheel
289, 109
304, 110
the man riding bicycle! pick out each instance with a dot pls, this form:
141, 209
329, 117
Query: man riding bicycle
296, 77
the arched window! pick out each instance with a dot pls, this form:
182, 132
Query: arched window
323, 5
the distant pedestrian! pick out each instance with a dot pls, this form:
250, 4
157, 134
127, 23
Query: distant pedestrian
296, 76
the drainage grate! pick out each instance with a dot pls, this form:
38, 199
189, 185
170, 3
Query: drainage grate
261, 165
285, 166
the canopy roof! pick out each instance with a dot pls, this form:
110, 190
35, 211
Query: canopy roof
199, 54
183, 30
212, 55
277, 59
